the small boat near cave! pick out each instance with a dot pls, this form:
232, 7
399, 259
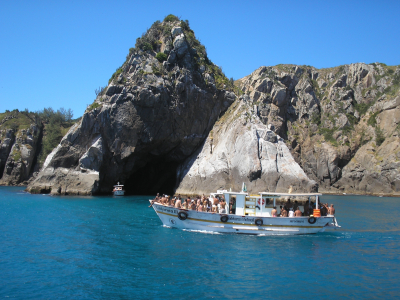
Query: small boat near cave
251, 216
118, 190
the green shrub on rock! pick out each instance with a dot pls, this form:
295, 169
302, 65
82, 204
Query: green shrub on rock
380, 137
147, 46
171, 18
161, 57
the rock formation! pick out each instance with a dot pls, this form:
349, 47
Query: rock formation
150, 127
239, 149
342, 124
19, 140
156, 111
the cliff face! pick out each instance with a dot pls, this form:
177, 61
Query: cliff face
296, 126
156, 111
240, 148
341, 124
19, 138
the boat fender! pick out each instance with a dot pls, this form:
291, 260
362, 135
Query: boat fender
312, 220
182, 215
258, 222
224, 218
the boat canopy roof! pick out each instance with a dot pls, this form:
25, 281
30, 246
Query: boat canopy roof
290, 194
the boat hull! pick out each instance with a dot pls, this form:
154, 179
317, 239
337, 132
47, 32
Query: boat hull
211, 222
119, 193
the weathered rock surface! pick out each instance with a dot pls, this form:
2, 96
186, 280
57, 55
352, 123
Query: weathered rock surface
373, 171
150, 118
327, 116
19, 134
240, 149
340, 124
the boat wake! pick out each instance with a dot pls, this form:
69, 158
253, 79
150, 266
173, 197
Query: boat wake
202, 231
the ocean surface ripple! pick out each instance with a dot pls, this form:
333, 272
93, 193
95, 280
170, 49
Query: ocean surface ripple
108, 248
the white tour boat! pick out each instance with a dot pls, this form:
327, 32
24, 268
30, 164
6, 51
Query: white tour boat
252, 216
118, 190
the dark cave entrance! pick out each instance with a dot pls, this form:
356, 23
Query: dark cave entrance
157, 176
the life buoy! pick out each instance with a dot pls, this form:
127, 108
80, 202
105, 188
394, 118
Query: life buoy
312, 220
259, 201
259, 222
224, 218
182, 215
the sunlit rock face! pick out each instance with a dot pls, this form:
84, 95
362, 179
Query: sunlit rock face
240, 149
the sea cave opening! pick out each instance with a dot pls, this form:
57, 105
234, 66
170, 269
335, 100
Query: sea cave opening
157, 176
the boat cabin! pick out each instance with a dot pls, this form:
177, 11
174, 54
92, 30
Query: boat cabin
263, 203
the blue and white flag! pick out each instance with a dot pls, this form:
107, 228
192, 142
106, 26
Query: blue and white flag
244, 189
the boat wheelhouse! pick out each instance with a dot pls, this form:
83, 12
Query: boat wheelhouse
250, 214
118, 190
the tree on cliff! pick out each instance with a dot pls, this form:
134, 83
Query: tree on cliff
56, 124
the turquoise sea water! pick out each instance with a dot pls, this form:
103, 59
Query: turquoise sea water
116, 248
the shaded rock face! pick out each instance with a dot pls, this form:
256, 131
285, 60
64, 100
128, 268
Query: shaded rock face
240, 149
150, 118
18, 149
373, 171
327, 115
7, 141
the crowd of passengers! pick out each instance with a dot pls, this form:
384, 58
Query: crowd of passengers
219, 205
199, 203
292, 209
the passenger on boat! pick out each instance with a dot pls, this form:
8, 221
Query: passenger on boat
222, 209
324, 209
306, 209
193, 205
204, 205
178, 203
331, 210
184, 205
214, 208
284, 212
156, 199
215, 201
274, 212
208, 205
233, 206
295, 205
199, 205
297, 213
291, 213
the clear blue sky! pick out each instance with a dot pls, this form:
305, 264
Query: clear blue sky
56, 53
